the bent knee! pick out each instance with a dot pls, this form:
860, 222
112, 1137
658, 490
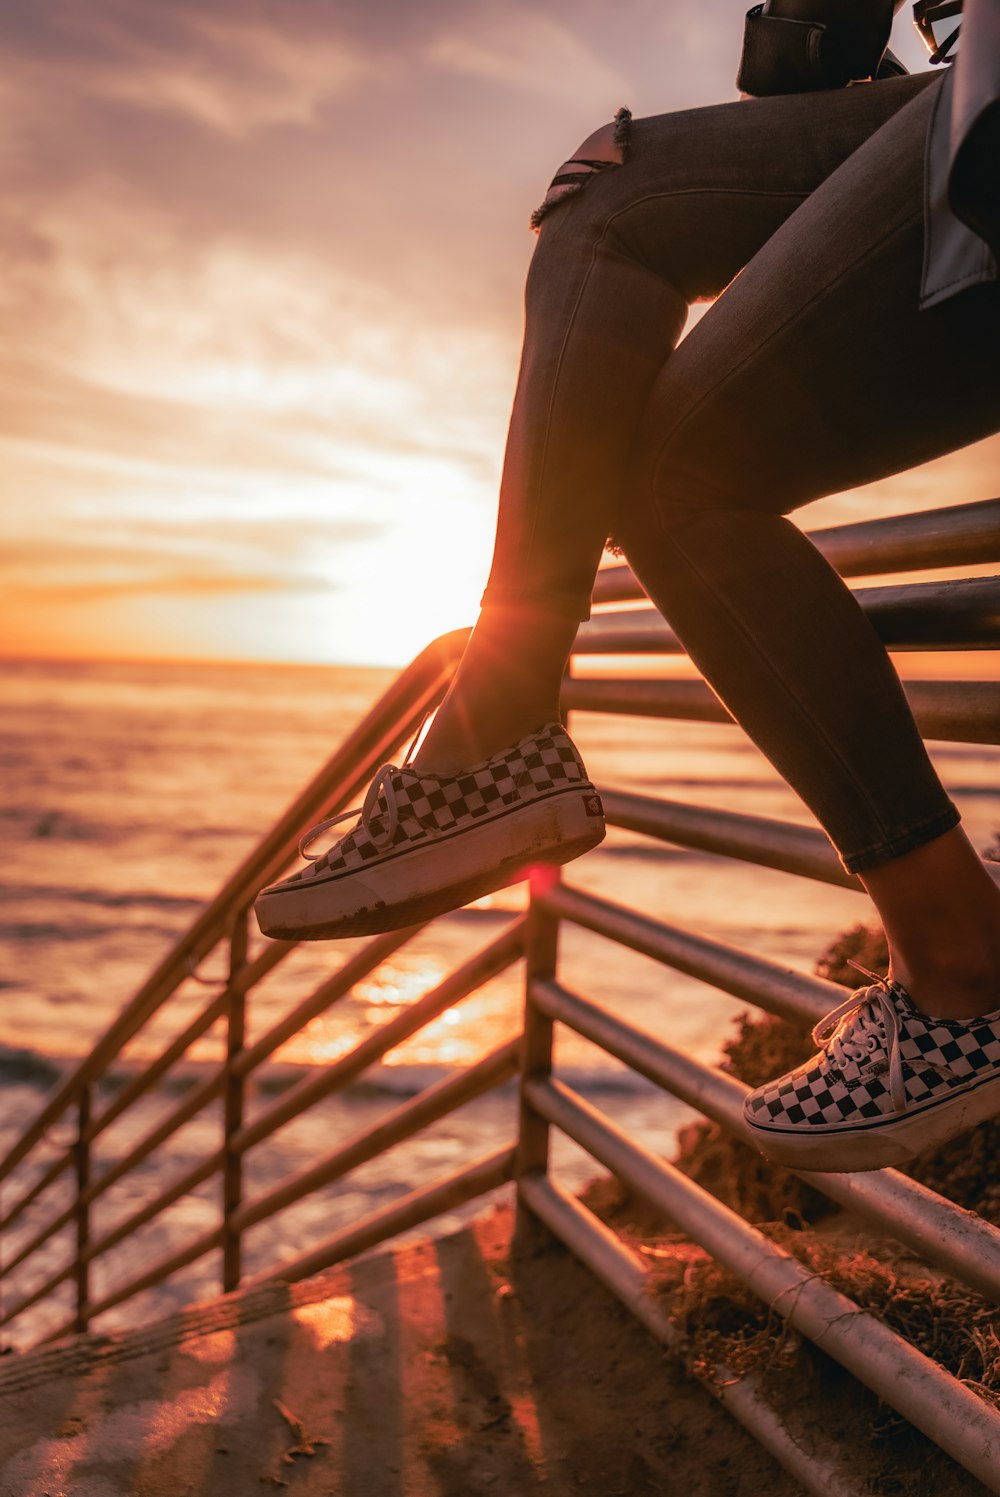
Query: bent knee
607, 146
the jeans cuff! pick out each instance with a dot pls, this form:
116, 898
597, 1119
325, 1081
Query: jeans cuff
566, 605
908, 841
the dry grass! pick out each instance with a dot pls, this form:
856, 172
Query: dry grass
723, 1324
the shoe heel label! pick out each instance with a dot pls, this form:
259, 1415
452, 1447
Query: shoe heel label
592, 805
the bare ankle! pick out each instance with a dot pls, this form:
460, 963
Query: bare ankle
963, 987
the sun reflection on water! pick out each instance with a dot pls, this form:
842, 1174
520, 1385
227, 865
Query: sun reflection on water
458, 1036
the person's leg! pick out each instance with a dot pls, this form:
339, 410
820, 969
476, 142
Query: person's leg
814, 372
699, 191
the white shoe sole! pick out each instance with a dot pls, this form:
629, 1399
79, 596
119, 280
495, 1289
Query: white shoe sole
434, 877
881, 1144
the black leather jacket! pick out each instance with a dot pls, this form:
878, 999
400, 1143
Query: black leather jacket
802, 45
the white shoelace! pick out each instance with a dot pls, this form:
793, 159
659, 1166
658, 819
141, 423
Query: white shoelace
859, 1028
381, 784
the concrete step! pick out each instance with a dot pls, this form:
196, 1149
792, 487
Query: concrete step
443, 1369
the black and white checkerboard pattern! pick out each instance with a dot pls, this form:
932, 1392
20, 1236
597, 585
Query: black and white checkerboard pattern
540, 765
939, 1056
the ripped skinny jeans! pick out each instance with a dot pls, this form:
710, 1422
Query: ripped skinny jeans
813, 372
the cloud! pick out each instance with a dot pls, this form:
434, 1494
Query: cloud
145, 558
528, 52
219, 68
262, 295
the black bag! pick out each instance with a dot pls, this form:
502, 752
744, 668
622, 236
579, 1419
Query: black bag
802, 46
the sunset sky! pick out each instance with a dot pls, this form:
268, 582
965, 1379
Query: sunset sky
261, 305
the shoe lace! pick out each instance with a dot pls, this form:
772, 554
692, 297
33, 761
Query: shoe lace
863, 1025
381, 831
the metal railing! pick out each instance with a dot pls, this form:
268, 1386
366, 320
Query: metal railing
962, 613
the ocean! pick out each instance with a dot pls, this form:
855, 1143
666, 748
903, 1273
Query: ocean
130, 792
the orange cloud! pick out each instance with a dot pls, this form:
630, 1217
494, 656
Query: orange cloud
261, 303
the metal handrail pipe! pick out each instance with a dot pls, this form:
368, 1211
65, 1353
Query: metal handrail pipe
958, 1241
923, 1392
180, 1258
818, 1470
780, 990
961, 614
633, 696
47, 1178
147, 1078
183, 1186
960, 535
481, 968
394, 716
249, 974
200, 1097
952, 711
755, 839
956, 711
42, 1291
245, 978
41, 1237
477, 1179
333, 988
402, 1122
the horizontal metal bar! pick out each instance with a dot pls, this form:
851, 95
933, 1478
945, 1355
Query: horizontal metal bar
151, 1073
393, 718
180, 1258
315, 1087
182, 1187
956, 711
819, 1469
420, 1206
142, 1083
953, 711
779, 990
630, 696
761, 840
481, 968
146, 1079
339, 985
40, 1237
754, 839
45, 1179
961, 1243
920, 1390
241, 981
959, 535
402, 1122
954, 536
963, 614
42, 1291
192, 1104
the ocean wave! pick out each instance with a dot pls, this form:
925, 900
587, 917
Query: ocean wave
40, 1071
108, 899
30, 932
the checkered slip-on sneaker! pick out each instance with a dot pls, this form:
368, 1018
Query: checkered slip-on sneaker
888, 1083
428, 843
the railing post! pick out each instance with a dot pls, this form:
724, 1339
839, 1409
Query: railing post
81, 1211
232, 1167
541, 953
